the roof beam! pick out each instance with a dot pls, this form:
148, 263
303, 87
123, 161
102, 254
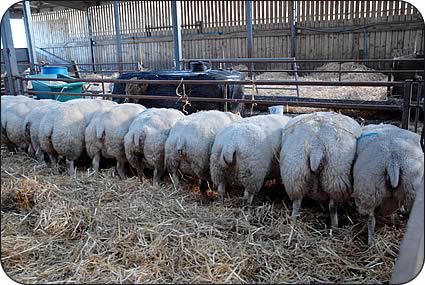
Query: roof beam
77, 5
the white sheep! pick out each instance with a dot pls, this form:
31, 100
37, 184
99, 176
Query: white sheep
388, 170
188, 147
246, 152
62, 129
31, 127
316, 158
105, 133
7, 101
145, 141
14, 115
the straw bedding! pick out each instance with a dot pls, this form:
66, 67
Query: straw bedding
329, 92
95, 228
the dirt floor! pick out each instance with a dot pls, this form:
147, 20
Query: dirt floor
95, 228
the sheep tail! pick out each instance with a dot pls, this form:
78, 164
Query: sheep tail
48, 128
27, 129
181, 146
316, 157
100, 131
228, 156
393, 172
139, 139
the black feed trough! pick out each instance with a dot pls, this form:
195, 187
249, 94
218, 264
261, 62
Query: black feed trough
198, 72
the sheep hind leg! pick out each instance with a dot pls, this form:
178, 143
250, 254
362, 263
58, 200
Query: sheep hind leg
71, 168
248, 197
203, 187
157, 174
96, 162
31, 151
141, 174
175, 179
296, 205
121, 170
221, 190
39, 154
334, 215
54, 163
370, 229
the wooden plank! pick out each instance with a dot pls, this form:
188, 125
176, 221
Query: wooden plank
347, 9
262, 17
322, 13
357, 12
222, 10
317, 14
373, 12
336, 12
403, 11
406, 40
382, 47
138, 15
299, 9
307, 13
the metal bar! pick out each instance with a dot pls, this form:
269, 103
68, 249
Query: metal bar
339, 71
249, 35
273, 70
29, 35
407, 97
283, 70
292, 13
331, 71
417, 105
225, 97
118, 35
177, 33
276, 60
256, 60
233, 82
9, 55
91, 41
298, 102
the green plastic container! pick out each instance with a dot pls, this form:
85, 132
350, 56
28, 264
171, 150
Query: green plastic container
76, 87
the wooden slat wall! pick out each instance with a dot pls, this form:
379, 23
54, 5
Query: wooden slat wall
146, 30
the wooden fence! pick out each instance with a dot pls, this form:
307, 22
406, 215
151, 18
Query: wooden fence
217, 29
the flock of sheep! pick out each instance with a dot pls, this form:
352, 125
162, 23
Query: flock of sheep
325, 155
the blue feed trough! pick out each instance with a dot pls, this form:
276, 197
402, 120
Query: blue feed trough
55, 86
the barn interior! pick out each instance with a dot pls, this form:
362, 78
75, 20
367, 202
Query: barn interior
364, 59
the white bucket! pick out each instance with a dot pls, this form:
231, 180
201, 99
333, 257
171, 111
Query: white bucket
278, 110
